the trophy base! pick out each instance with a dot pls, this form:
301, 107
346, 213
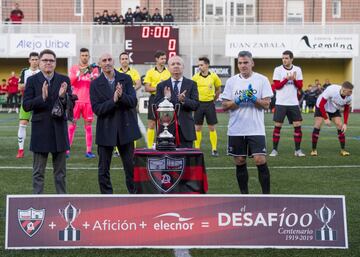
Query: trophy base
165, 144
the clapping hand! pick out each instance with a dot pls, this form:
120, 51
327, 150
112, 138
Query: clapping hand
250, 94
118, 92
291, 75
63, 89
167, 92
181, 97
45, 90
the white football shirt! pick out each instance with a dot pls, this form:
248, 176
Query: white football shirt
247, 120
334, 100
287, 95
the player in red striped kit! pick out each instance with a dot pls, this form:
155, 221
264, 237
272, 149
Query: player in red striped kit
288, 80
80, 77
328, 106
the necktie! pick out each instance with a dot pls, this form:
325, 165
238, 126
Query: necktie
176, 89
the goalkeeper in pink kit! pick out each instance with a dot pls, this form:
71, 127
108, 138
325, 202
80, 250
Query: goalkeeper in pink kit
80, 77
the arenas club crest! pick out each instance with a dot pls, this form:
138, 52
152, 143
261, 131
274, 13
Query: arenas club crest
165, 173
31, 220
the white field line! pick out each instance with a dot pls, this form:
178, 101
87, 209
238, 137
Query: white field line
71, 167
182, 253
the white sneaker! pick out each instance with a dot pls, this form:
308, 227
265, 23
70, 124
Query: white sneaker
273, 153
299, 153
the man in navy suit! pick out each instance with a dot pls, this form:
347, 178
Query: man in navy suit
112, 99
48, 133
183, 91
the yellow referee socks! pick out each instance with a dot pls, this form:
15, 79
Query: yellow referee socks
150, 137
198, 139
213, 140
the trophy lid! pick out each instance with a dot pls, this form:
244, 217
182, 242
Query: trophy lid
165, 105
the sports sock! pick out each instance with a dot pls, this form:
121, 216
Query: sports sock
198, 139
276, 137
242, 177
341, 137
21, 136
88, 137
264, 178
315, 138
71, 131
150, 137
297, 137
213, 140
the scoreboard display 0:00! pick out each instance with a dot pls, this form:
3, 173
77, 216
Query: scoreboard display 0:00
141, 42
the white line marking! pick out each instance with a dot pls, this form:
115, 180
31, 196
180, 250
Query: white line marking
182, 253
70, 167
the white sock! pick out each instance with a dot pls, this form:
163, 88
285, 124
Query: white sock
22, 136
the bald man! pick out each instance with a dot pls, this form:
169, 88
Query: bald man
183, 91
112, 98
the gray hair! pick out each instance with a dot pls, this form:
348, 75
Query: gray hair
245, 54
177, 57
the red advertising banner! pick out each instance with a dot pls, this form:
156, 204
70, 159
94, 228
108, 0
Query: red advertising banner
175, 221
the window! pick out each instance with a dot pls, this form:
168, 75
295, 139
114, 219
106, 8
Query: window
79, 7
209, 9
295, 11
218, 11
240, 9
336, 8
249, 10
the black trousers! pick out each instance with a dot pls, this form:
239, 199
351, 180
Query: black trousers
39, 166
127, 156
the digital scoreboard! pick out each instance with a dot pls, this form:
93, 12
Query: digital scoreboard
141, 42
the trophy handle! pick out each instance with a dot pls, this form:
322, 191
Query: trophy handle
153, 109
177, 109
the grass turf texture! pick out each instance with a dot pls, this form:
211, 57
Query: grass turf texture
289, 175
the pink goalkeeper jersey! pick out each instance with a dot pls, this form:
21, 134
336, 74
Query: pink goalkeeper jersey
81, 83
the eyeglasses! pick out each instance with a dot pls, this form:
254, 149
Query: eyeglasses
48, 60
108, 59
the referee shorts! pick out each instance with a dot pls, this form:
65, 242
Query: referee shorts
206, 109
292, 112
151, 115
246, 145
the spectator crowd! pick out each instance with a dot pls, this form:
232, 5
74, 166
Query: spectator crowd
130, 17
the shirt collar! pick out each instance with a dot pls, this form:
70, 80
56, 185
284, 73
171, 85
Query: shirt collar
128, 69
110, 80
206, 75
47, 77
173, 80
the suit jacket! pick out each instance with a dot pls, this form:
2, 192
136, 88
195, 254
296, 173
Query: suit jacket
185, 119
48, 134
115, 121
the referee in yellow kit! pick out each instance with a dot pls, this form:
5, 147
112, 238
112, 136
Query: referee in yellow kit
209, 85
152, 78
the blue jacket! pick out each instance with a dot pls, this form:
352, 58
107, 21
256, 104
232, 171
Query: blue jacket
115, 121
48, 134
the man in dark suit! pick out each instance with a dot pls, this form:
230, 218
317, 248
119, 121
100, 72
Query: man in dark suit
48, 133
183, 91
112, 99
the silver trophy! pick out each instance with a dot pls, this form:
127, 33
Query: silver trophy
69, 214
325, 215
165, 114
